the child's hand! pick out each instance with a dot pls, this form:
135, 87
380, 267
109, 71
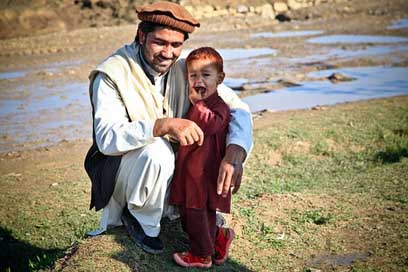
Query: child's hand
194, 95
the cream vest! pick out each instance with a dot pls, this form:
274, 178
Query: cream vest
142, 102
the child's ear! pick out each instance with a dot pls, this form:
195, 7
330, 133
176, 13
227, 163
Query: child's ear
221, 77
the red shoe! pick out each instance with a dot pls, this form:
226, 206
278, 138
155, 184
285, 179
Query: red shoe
187, 259
222, 245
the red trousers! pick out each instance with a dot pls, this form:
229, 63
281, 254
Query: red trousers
201, 229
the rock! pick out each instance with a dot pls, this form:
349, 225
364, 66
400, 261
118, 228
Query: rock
318, 107
337, 77
294, 4
266, 11
283, 17
288, 83
280, 7
242, 9
86, 4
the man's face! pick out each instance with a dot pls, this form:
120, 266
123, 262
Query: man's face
161, 48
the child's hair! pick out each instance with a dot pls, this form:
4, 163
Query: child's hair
206, 53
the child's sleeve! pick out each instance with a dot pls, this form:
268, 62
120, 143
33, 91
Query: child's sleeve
211, 120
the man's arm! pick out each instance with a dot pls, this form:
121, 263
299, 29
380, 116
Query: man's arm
115, 134
239, 142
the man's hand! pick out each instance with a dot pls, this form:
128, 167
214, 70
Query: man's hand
186, 132
230, 173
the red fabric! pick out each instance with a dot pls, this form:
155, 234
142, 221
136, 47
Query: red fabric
194, 183
201, 229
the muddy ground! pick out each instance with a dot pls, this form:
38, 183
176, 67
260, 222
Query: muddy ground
55, 66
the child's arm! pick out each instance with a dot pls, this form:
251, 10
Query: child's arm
209, 120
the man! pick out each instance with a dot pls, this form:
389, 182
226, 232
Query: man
139, 97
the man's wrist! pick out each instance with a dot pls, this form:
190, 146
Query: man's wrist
159, 128
235, 154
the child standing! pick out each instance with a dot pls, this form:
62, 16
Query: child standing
194, 186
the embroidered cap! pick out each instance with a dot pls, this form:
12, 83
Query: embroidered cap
168, 14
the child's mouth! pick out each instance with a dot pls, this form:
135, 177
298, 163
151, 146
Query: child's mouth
200, 90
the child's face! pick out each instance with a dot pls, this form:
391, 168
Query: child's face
203, 78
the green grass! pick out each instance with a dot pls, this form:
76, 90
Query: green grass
340, 186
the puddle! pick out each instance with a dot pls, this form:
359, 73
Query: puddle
238, 53
286, 34
403, 23
55, 66
43, 98
356, 39
338, 260
371, 82
235, 83
12, 75
45, 116
343, 53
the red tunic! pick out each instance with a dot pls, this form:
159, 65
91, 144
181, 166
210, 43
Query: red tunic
194, 183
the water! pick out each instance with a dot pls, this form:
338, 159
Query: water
343, 53
238, 53
43, 98
286, 34
12, 75
45, 115
52, 67
371, 82
235, 83
403, 23
356, 39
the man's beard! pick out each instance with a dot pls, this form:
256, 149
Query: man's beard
155, 63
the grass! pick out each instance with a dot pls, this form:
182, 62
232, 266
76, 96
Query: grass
322, 190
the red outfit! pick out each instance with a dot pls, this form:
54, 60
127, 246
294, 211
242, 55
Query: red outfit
194, 185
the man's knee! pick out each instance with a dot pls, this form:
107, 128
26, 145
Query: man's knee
159, 154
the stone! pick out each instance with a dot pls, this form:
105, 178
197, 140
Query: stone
293, 4
283, 17
242, 9
267, 11
280, 7
337, 77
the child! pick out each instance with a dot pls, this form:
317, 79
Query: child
194, 186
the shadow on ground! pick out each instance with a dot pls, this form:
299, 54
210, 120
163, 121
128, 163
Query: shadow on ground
17, 255
174, 240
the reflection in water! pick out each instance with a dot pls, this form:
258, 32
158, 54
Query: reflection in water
399, 24
356, 39
372, 82
286, 34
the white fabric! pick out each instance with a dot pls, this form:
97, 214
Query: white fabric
142, 185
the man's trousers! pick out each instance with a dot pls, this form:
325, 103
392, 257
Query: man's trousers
142, 181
